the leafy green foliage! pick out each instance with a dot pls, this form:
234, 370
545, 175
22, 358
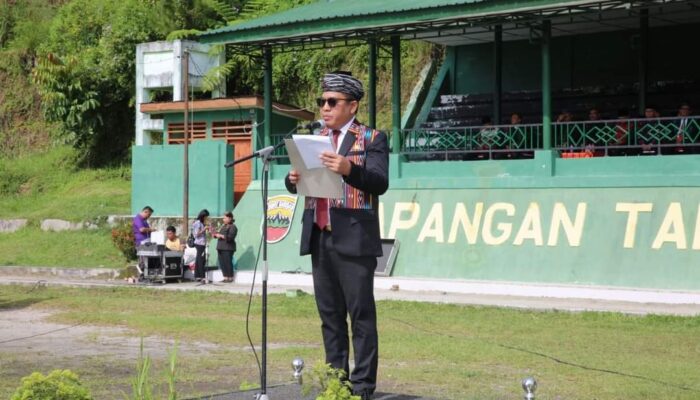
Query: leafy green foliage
57, 385
330, 383
85, 73
67, 100
227, 10
23, 24
123, 238
75, 60
86, 67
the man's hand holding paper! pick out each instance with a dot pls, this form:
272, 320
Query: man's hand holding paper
336, 163
315, 167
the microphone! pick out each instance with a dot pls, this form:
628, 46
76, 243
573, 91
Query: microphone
315, 125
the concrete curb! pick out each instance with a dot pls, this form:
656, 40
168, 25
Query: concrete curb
71, 273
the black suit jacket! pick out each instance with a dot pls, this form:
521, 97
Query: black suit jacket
229, 240
355, 231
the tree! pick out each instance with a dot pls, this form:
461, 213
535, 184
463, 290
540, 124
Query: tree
86, 68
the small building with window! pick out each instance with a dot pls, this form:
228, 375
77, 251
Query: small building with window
221, 129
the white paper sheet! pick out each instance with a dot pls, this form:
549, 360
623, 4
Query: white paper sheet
316, 182
310, 148
158, 237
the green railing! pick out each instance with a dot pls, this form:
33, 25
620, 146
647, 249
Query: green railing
629, 136
475, 142
673, 135
280, 154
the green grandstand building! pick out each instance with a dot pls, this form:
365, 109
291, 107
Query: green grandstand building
555, 143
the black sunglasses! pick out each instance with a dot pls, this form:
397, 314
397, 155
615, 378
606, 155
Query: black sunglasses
332, 101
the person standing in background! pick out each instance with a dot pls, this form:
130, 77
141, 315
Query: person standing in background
142, 231
226, 245
199, 231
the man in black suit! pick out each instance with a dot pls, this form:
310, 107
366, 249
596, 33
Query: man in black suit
342, 235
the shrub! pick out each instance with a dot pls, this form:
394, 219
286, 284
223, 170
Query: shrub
330, 383
123, 238
58, 385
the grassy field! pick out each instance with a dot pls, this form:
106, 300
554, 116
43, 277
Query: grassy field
73, 249
48, 185
436, 350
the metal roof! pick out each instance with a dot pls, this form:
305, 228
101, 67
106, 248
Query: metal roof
346, 20
331, 9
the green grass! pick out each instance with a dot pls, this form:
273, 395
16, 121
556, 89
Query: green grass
70, 249
436, 350
49, 185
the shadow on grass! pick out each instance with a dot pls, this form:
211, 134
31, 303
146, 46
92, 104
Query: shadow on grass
28, 298
7, 305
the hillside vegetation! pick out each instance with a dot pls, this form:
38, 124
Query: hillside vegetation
67, 90
67, 69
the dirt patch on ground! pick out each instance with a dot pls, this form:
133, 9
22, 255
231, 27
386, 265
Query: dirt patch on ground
26, 331
29, 342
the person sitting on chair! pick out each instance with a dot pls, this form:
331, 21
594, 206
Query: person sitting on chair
173, 242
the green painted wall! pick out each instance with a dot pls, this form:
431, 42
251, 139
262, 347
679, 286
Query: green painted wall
511, 206
157, 176
157, 170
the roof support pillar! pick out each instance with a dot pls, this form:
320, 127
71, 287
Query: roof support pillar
497, 72
643, 59
396, 93
267, 96
372, 84
546, 87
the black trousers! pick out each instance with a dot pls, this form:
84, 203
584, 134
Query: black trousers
199, 271
345, 285
226, 262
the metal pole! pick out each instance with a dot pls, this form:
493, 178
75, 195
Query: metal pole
185, 162
546, 87
372, 89
266, 168
267, 97
642, 60
497, 73
263, 375
396, 93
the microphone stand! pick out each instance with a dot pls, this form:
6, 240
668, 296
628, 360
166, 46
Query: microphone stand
265, 154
